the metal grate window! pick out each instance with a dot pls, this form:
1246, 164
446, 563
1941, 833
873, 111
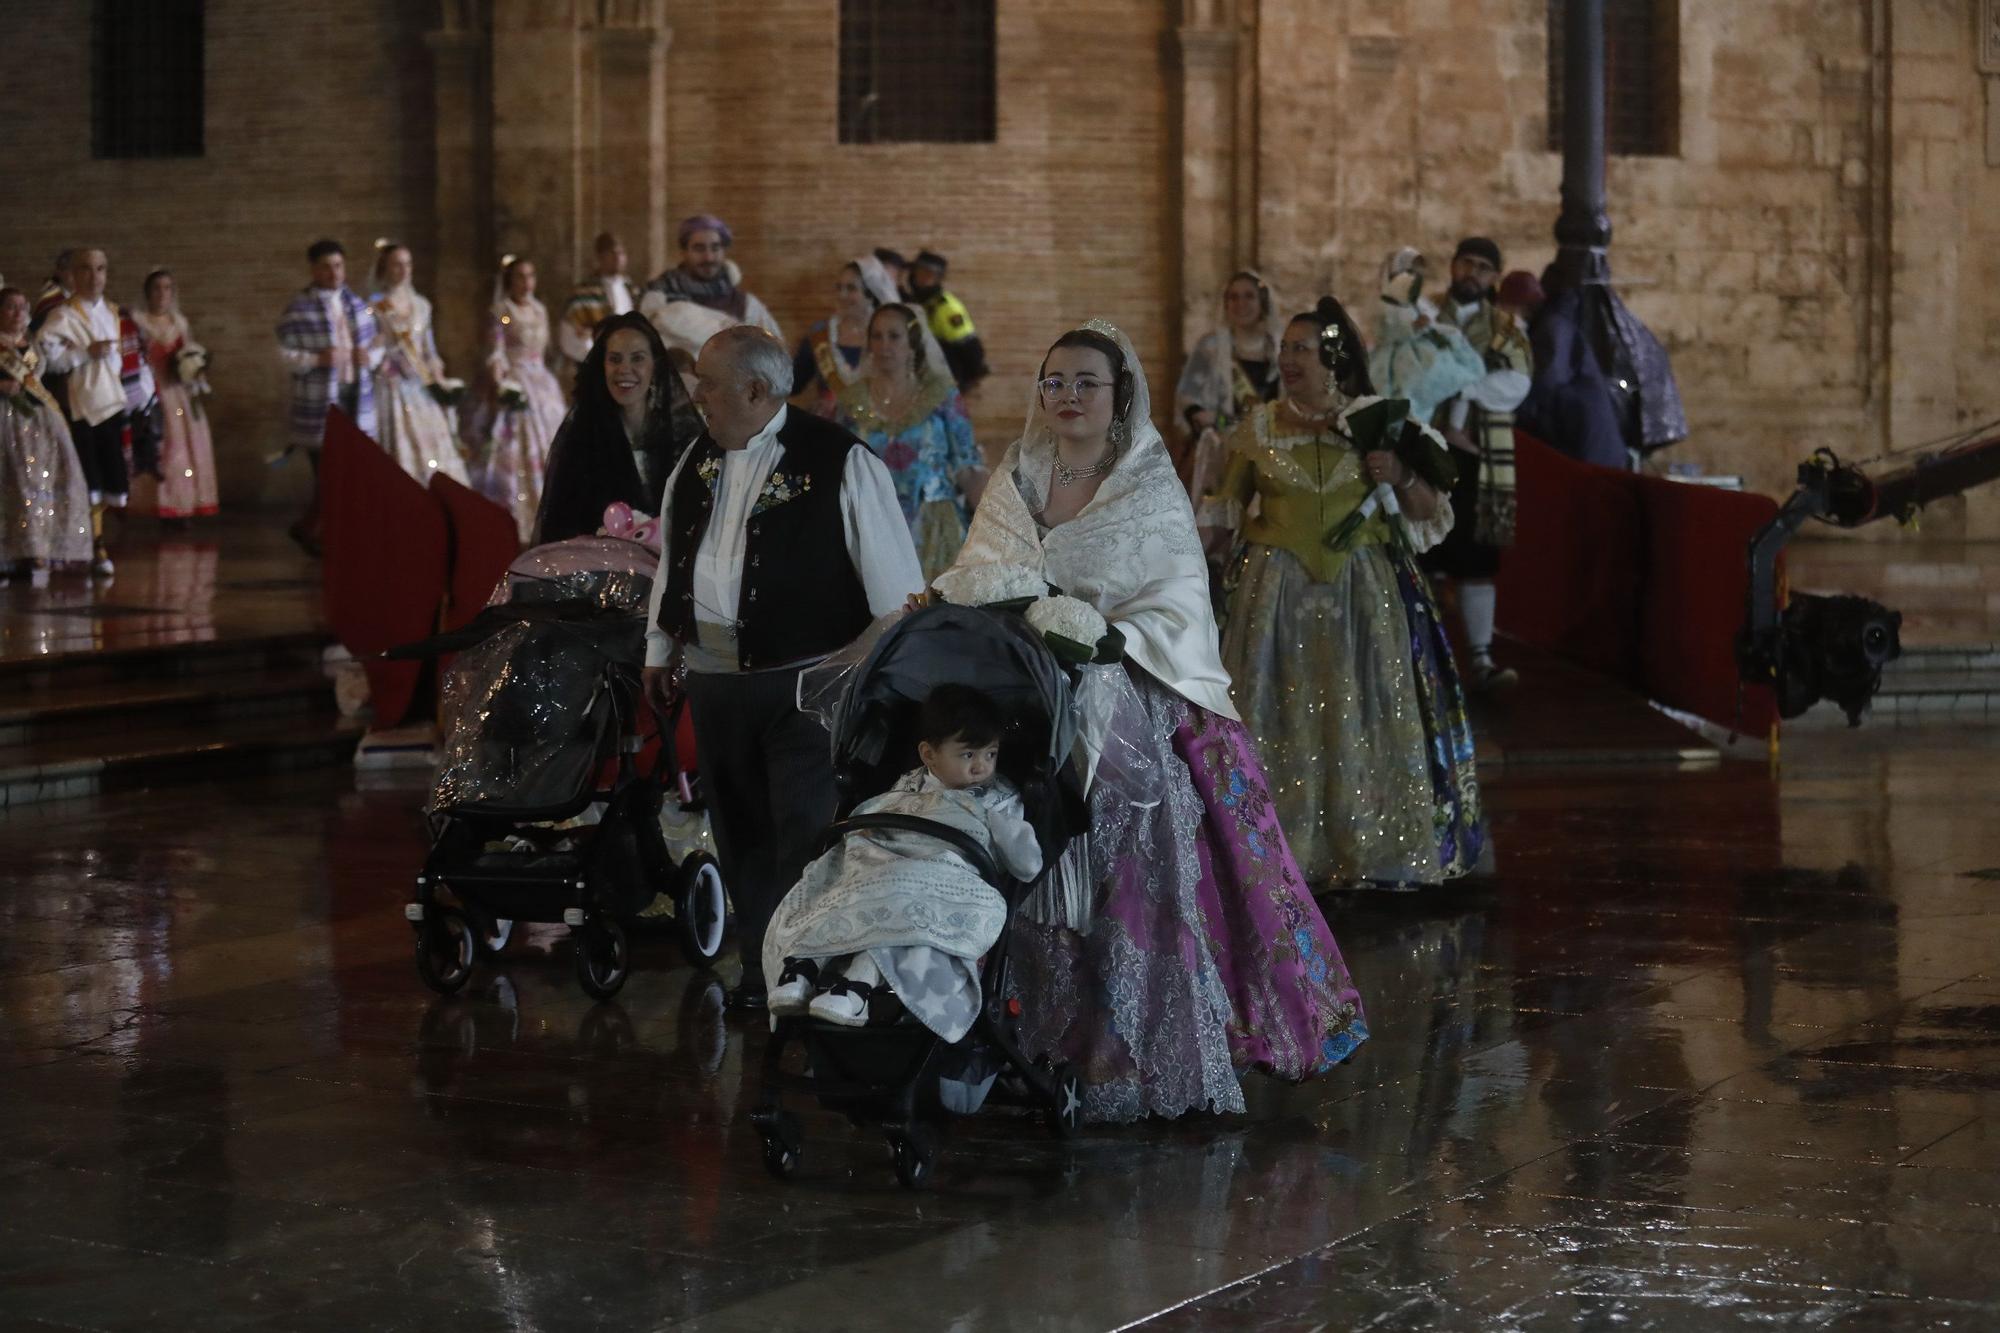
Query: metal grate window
917, 71
1642, 77
146, 97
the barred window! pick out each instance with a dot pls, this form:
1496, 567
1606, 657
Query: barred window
146, 97
917, 71
1642, 77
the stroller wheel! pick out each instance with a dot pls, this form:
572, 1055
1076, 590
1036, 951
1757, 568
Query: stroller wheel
602, 957
1065, 1114
700, 906
782, 1143
445, 950
912, 1149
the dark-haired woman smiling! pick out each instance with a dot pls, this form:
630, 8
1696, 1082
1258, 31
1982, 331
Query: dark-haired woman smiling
631, 421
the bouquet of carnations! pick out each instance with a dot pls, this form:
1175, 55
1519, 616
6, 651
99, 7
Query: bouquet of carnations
1074, 630
190, 367
448, 391
512, 396
1007, 587
1384, 425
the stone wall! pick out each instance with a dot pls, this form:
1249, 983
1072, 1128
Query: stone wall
319, 122
1820, 256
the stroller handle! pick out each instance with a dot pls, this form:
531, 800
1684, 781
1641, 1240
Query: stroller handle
961, 842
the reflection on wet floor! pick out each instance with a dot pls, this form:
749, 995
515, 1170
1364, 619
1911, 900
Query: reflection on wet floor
1711, 1050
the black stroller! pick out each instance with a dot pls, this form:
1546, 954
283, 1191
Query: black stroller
903, 1075
541, 712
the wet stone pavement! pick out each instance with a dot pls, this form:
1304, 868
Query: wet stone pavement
1709, 1051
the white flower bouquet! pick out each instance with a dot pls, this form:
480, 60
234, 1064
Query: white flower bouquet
190, 367
448, 391
1007, 586
512, 396
1074, 630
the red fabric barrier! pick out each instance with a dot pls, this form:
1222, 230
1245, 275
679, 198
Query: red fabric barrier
483, 543
1571, 581
383, 574
1640, 578
1697, 579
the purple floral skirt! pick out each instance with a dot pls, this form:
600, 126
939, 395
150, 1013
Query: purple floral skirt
1206, 956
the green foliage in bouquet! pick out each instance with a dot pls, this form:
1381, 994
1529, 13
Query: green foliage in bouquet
1426, 455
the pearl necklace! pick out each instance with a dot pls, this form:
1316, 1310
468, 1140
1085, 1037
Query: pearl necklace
1069, 476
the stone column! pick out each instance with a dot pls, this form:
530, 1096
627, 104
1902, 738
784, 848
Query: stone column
1217, 177
539, 157
628, 153
457, 276
1583, 231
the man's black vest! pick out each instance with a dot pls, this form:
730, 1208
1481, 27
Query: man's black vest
801, 596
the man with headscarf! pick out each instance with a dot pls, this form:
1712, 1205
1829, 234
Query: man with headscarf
1478, 423
709, 278
780, 540
949, 320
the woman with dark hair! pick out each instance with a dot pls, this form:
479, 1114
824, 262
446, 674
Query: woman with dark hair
1333, 644
906, 407
1174, 946
631, 421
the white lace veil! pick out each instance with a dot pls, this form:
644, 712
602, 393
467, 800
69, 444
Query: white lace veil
1133, 429
875, 280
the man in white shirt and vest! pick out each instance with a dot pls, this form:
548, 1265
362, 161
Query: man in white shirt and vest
80, 342
781, 539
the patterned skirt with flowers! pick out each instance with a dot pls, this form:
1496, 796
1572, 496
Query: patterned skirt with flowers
1205, 956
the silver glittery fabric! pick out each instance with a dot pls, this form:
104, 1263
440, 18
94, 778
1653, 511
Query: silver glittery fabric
1136, 1001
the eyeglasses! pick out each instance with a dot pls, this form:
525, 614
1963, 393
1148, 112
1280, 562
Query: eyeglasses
1086, 389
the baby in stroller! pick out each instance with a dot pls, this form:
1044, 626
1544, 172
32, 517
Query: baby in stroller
888, 916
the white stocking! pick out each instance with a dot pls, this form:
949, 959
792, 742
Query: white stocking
1475, 603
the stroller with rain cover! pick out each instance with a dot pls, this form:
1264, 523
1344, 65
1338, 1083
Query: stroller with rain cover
540, 810
902, 1074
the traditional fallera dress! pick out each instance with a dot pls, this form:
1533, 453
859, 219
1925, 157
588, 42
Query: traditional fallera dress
44, 500
517, 445
187, 452
825, 364
415, 428
926, 449
1217, 380
1340, 666
1176, 945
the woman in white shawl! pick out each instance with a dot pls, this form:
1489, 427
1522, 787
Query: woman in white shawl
1176, 945
1227, 375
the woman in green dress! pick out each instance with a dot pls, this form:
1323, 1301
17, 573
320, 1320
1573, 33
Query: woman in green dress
1339, 665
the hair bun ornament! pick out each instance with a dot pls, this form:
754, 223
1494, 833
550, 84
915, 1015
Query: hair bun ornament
383, 243
509, 259
1332, 333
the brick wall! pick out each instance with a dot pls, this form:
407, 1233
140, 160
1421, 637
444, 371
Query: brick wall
1065, 217
1820, 258
318, 123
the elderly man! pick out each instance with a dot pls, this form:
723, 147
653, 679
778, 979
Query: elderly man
608, 292
81, 339
781, 539
707, 277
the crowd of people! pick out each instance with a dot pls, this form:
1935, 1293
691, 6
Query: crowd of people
93, 393
377, 358
1287, 716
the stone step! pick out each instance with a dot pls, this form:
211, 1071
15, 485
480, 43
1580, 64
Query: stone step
168, 752
22, 678
196, 700
1958, 659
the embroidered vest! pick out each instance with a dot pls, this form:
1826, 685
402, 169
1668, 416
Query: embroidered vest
800, 595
